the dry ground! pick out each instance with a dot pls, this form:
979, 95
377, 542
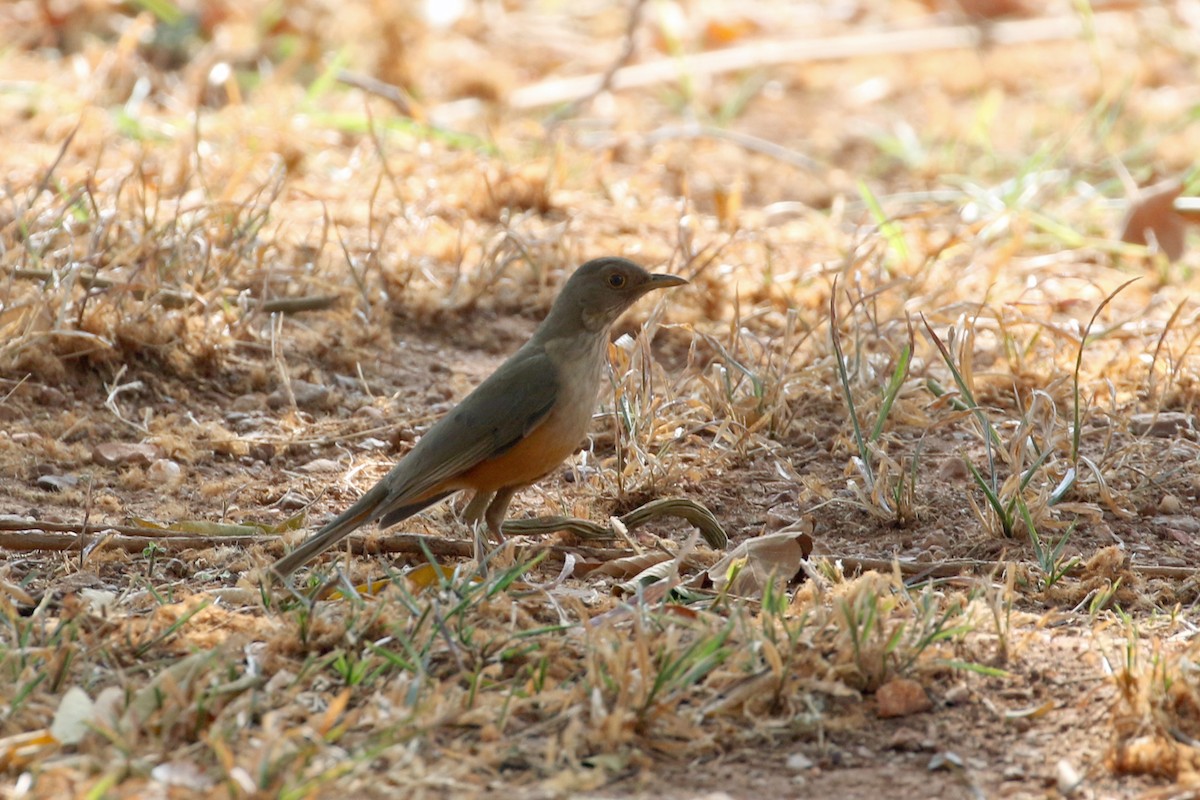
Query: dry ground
271, 281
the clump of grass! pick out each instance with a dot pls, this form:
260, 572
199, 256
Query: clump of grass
1156, 719
889, 487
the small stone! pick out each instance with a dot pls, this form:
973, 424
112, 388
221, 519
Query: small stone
249, 402
56, 483
1181, 521
1177, 536
308, 395
26, 437
1162, 424
907, 740
901, 697
261, 451
164, 472
291, 501
947, 760
1067, 777
1013, 772
321, 465
957, 694
113, 454
954, 468
49, 396
1169, 504
798, 762
370, 412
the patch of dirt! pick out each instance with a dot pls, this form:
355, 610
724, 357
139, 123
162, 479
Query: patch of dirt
737, 402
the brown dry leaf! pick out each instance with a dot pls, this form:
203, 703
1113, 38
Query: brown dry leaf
1153, 221
722, 32
17, 593
19, 750
178, 679
746, 570
630, 565
72, 718
336, 707
663, 572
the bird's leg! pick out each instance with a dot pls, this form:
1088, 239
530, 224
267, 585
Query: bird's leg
474, 510
497, 509
473, 515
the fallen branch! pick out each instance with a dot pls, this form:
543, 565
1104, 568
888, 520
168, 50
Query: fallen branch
759, 54
965, 566
138, 531
32, 539
26, 536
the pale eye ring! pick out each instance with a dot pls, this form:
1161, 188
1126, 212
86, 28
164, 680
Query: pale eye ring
616, 280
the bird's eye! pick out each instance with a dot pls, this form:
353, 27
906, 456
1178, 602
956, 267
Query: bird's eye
616, 280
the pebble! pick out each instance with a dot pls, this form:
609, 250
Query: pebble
370, 412
321, 465
901, 697
798, 762
954, 468
308, 395
1067, 777
249, 402
908, 740
113, 454
1162, 424
957, 694
292, 501
57, 483
261, 451
1169, 504
164, 472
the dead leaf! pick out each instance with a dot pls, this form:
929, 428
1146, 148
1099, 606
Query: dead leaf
336, 707
75, 711
746, 570
630, 565
17, 751
1152, 220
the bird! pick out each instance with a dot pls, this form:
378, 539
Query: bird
515, 427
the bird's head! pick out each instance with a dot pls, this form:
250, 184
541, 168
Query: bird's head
599, 291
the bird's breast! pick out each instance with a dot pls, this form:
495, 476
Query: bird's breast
558, 435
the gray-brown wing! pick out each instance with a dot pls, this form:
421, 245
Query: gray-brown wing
499, 413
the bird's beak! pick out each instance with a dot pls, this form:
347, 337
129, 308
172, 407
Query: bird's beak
660, 280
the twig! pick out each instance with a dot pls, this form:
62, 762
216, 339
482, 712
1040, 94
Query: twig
292, 305
90, 280
394, 94
754, 144
141, 531
62, 151
22, 536
606, 80
33, 539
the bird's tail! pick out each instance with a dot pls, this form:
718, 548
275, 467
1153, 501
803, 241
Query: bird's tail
371, 506
366, 509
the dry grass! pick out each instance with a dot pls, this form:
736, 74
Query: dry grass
908, 324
